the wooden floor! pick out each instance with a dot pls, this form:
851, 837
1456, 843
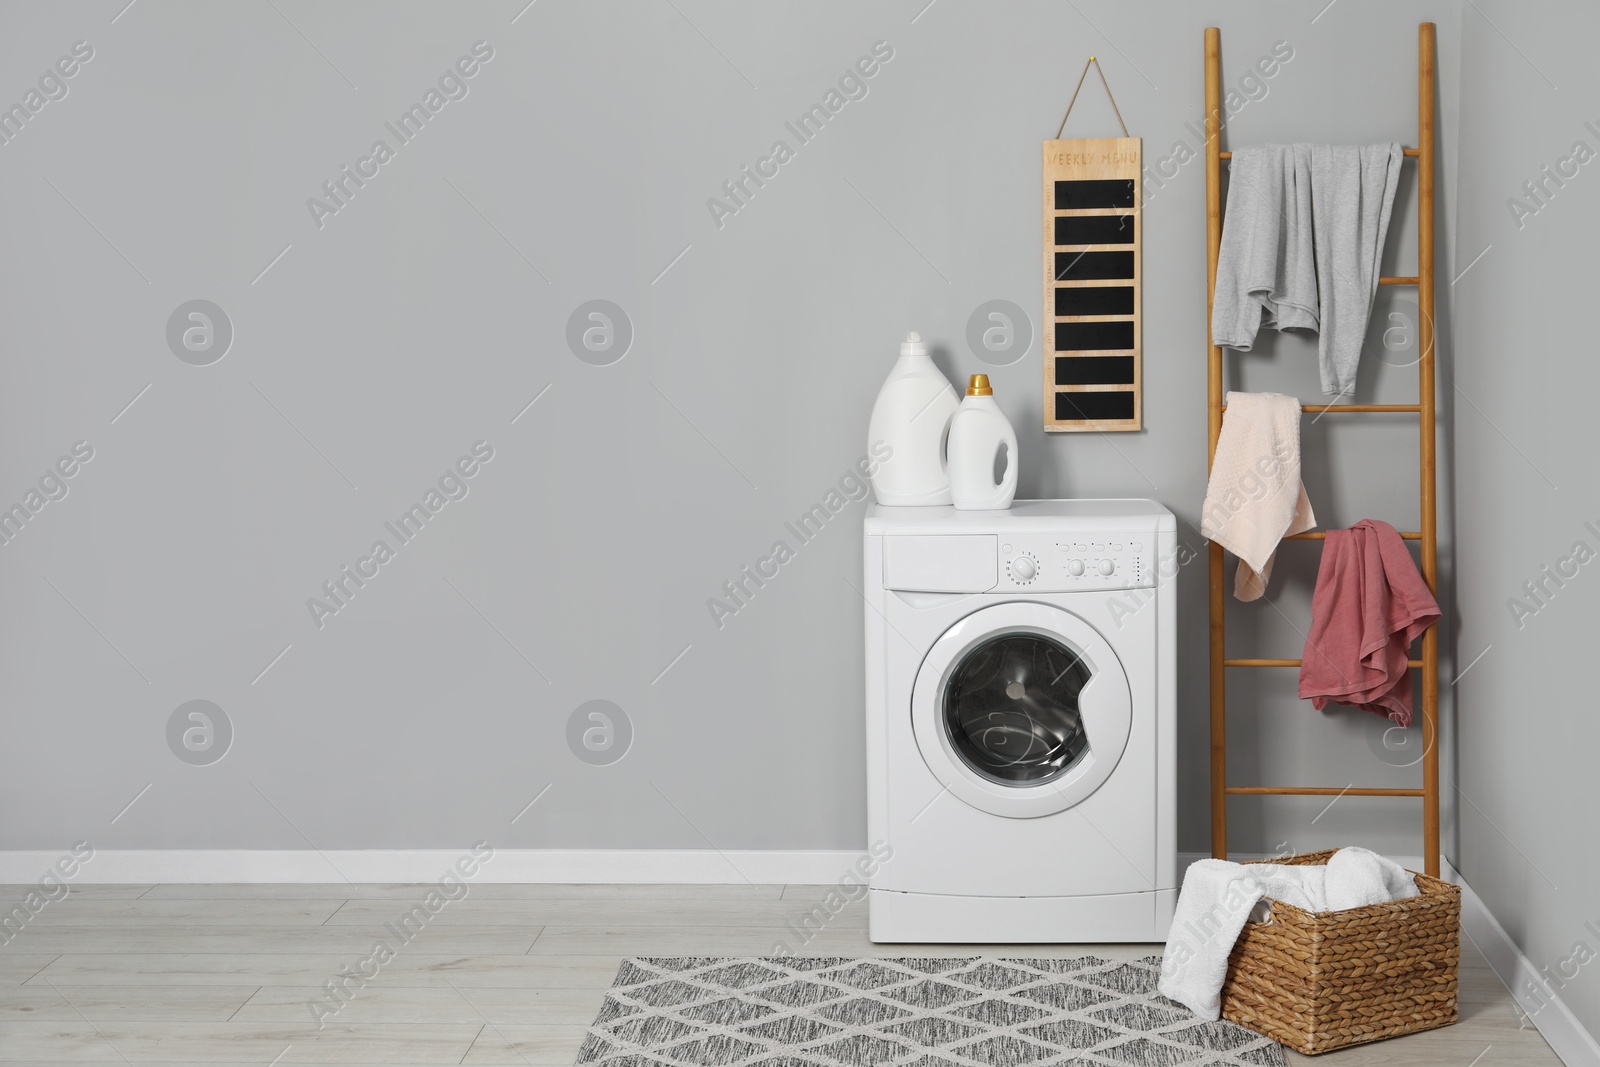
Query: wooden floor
507, 975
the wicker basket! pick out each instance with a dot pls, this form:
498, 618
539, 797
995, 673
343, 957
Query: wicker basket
1323, 981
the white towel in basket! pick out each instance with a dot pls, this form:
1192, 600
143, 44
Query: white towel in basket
1219, 897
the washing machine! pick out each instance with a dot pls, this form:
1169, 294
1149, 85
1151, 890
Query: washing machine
1020, 722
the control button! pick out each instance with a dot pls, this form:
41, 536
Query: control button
1024, 568
1116, 548
1099, 547
1081, 547
1006, 549
1074, 567
1107, 567
1138, 546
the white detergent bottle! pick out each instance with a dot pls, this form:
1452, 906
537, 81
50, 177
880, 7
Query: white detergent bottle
909, 422
978, 432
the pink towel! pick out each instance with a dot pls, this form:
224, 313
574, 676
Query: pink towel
1370, 604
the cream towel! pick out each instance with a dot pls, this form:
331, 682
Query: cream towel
1255, 496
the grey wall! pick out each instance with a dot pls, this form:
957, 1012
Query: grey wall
428, 312
1525, 379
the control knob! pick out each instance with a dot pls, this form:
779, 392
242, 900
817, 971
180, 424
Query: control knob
1024, 568
1075, 567
1108, 567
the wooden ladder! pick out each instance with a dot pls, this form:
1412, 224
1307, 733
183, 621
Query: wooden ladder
1423, 409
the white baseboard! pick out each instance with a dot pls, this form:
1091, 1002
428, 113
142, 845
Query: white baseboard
1545, 1008
693, 866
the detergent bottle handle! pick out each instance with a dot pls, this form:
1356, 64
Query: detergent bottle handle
1008, 483
944, 444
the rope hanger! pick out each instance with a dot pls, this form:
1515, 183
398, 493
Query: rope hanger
1097, 69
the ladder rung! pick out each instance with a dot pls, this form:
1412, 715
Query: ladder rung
1413, 152
1351, 408
1400, 280
1317, 791
1347, 409
1286, 663
1322, 535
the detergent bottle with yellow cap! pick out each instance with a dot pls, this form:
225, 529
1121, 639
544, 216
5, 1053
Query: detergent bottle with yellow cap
981, 439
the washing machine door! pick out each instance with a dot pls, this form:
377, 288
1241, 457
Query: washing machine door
1021, 710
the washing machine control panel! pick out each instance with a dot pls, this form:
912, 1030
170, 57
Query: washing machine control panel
1057, 563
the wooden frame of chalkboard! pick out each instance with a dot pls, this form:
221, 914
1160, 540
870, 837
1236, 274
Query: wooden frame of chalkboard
1093, 373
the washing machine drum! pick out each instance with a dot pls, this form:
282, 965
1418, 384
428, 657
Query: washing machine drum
1021, 709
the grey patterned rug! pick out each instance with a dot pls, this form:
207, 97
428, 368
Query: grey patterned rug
798, 1011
